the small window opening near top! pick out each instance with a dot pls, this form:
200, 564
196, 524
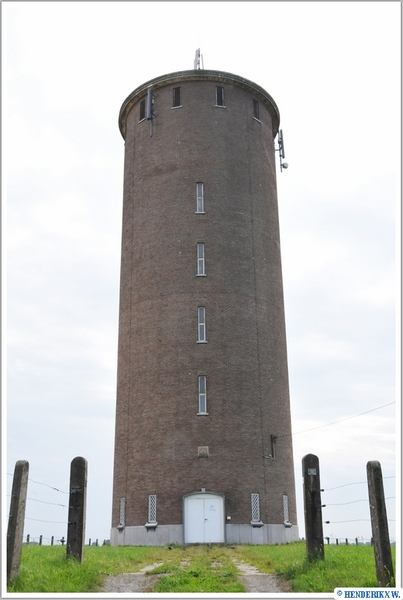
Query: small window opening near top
201, 260
219, 96
202, 395
176, 99
256, 109
199, 197
201, 324
142, 110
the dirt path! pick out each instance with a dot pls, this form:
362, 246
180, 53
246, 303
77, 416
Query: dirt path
256, 582
253, 580
132, 582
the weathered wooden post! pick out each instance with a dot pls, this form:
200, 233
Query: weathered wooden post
313, 507
52, 539
77, 506
15, 530
379, 523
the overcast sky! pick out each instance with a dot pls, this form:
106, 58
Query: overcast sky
333, 68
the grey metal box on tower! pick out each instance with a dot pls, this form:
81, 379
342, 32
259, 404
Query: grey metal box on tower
203, 446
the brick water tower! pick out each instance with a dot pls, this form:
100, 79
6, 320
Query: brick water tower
203, 447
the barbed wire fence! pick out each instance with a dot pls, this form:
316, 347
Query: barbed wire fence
59, 538
339, 540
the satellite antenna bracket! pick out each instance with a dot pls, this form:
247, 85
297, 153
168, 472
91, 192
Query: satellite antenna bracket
280, 150
150, 109
198, 60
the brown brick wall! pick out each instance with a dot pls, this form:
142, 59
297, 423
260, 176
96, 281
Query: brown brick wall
244, 359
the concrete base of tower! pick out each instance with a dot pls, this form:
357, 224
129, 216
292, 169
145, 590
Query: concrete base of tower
162, 535
165, 535
260, 536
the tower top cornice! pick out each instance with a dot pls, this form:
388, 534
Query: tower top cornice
199, 75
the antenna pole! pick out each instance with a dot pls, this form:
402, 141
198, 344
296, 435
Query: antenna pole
280, 150
198, 59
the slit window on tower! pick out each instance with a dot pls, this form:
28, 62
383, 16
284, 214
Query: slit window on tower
152, 508
256, 109
255, 506
201, 261
122, 509
286, 510
201, 324
219, 96
199, 197
202, 395
176, 99
142, 110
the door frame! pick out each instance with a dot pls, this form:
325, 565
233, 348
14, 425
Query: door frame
206, 494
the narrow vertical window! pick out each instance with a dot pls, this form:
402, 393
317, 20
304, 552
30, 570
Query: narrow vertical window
255, 506
202, 395
176, 100
142, 110
273, 439
201, 261
201, 324
122, 510
199, 197
152, 508
256, 109
219, 98
287, 522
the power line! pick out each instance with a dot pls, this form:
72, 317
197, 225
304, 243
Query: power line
53, 503
354, 501
354, 483
40, 483
43, 502
49, 486
352, 521
41, 521
339, 421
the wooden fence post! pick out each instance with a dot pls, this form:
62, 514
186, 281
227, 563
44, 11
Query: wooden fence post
313, 507
379, 523
15, 530
77, 506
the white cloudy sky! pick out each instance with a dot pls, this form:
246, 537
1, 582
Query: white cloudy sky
334, 71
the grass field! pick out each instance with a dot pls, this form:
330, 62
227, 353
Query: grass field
207, 568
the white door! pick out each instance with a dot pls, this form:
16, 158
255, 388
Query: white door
204, 518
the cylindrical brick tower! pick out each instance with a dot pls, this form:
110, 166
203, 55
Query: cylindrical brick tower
203, 448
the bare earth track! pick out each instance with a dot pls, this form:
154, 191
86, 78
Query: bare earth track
253, 580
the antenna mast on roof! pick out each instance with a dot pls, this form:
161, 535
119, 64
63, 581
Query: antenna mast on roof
280, 150
198, 60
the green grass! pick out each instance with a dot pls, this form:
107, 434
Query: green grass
46, 569
344, 566
206, 569
203, 568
